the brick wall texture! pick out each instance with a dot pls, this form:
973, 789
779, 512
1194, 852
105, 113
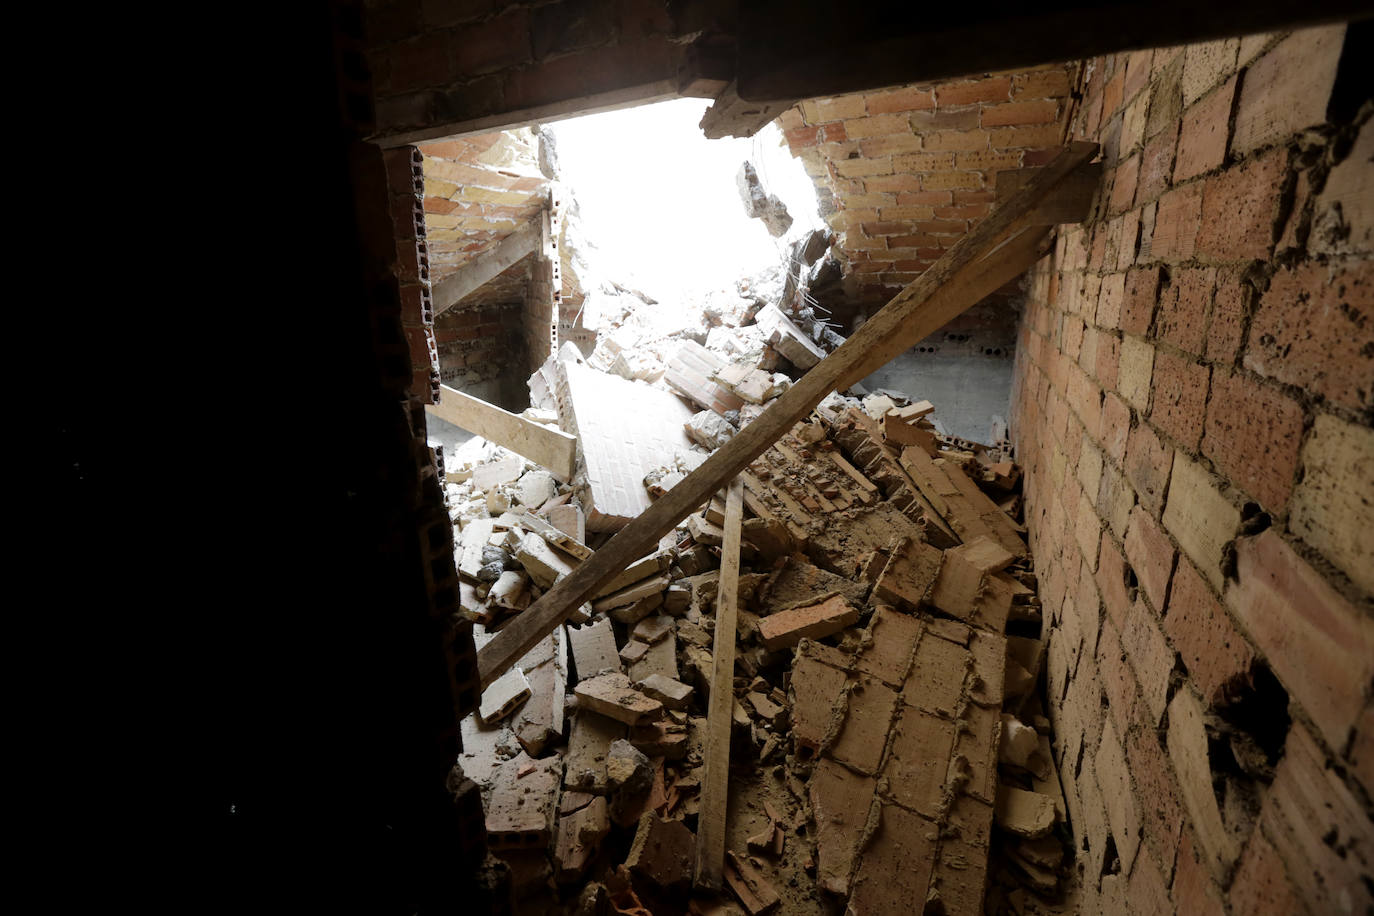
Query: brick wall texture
1193, 407
902, 174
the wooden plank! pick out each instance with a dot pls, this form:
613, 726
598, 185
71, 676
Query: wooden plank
487, 266
1069, 203
641, 535
1010, 259
716, 782
546, 446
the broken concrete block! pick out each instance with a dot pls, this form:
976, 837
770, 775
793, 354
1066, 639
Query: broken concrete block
613, 695
876, 405
580, 833
661, 738
671, 693
509, 591
521, 809
535, 488
503, 696
593, 649
653, 629
787, 628
1027, 814
689, 372
631, 594
709, 429
766, 709
569, 519
631, 614
629, 777
638, 571
660, 659
544, 564
676, 599
491, 474
663, 851
588, 744
633, 651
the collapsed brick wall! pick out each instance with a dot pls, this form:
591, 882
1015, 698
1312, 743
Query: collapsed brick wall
1195, 392
902, 174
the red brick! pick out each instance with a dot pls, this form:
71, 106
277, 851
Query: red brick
1156, 163
1217, 656
802, 137
1253, 435
1118, 680
1288, 89
1138, 300
894, 145
1147, 465
1180, 398
922, 198
1151, 554
1318, 643
1239, 207
1195, 892
1137, 72
1183, 308
891, 183
1109, 301
834, 132
1008, 114
1115, 426
1202, 140
1313, 328
956, 140
1111, 581
1228, 315
1161, 804
1041, 84
924, 122
1177, 223
494, 44
1026, 137
1261, 886
908, 99
966, 93
1147, 892
1123, 185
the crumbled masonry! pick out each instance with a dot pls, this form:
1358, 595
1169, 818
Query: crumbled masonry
887, 736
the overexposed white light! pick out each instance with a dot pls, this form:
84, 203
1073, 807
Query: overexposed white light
660, 202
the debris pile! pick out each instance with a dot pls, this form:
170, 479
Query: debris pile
888, 750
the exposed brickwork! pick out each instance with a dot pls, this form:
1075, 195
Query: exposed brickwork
1219, 371
904, 173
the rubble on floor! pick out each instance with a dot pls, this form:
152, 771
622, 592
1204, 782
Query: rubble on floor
889, 752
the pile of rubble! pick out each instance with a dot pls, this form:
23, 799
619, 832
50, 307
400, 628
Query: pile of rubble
885, 712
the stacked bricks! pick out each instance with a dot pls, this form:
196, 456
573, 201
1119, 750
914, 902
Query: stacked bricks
445, 68
477, 191
479, 343
1192, 406
904, 173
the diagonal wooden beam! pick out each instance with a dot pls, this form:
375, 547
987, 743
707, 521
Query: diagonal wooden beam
487, 266
642, 533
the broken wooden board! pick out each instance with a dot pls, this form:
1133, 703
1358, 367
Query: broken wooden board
784, 336
715, 784
546, 446
915, 306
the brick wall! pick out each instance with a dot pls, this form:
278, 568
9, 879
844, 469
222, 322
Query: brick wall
903, 173
481, 351
1195, 394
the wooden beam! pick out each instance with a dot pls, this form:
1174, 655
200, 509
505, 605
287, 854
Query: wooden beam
642, 533
487, 266
546, 446
1071, 201
715, 784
